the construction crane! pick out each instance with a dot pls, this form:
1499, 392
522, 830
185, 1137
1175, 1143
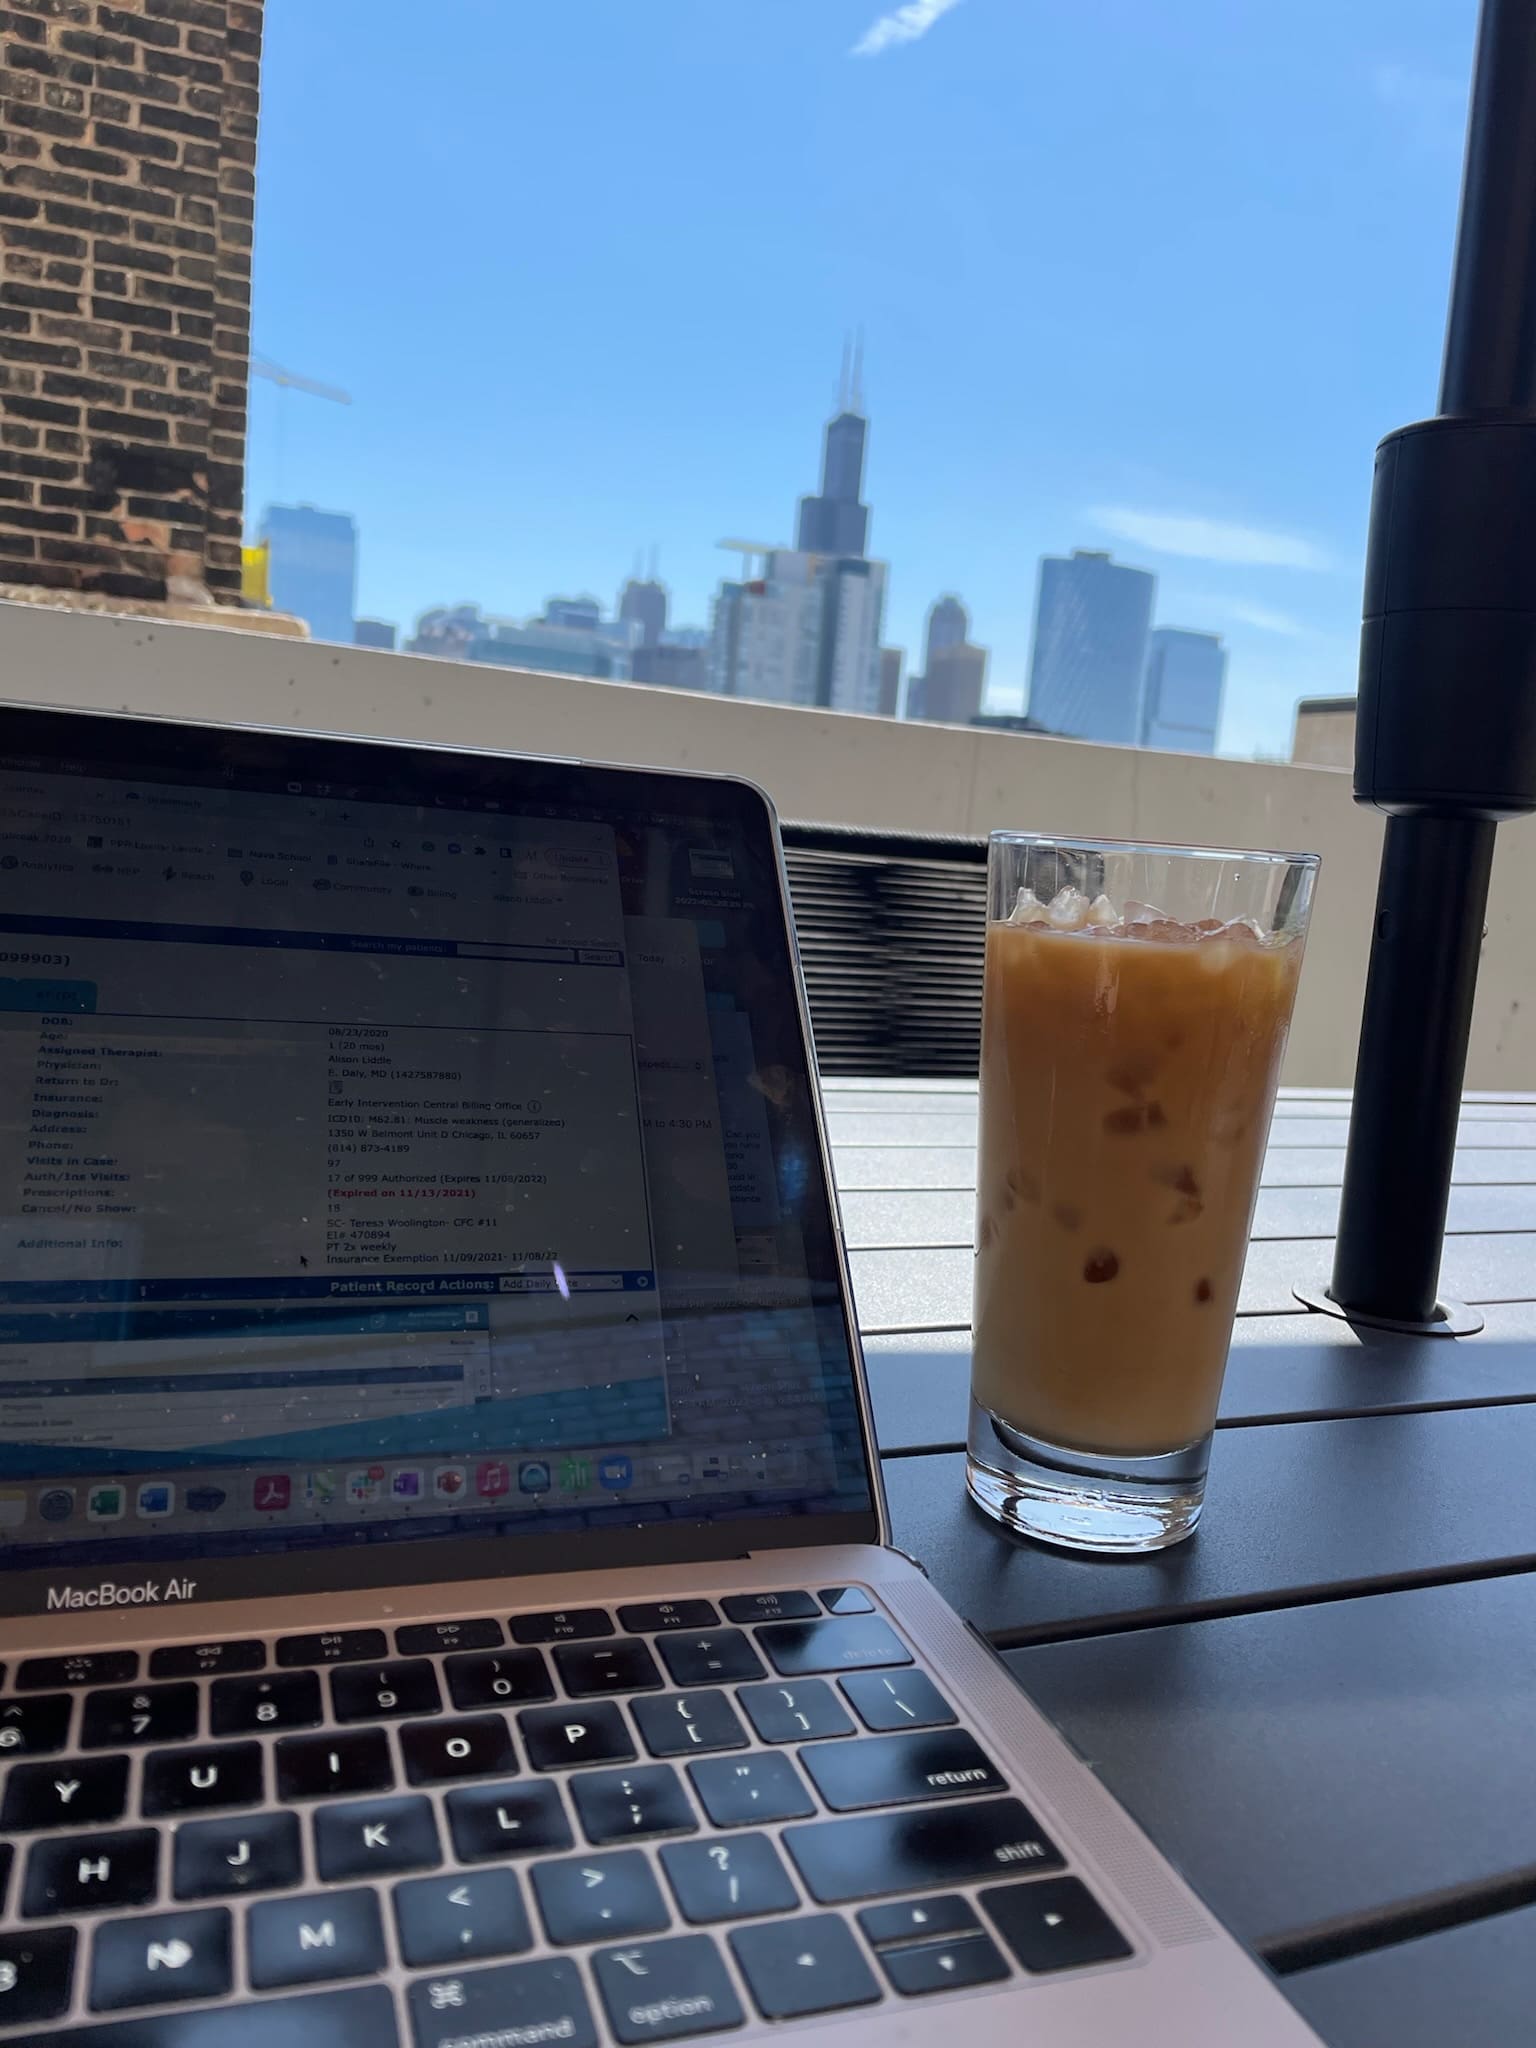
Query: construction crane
290, 380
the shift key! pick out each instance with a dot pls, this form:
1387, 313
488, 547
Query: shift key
902, 1852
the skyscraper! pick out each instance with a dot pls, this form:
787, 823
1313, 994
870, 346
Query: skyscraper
374, 633
835, 521
312, 567
950, 689
1181, 706
949, 625
1092, 619
891, 659
806, 631
645, 604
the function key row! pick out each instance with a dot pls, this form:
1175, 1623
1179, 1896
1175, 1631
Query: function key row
362, 1645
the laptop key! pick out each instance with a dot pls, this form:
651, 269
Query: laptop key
73, 1793
307, 1940
733, 1880
689, 1723
514, 1680
36, 1969
744, 1791
717, 1658
363, 2016
382, 1692
797, 1967
438, 1751
802, 1712
588, 1670
422, 1637
374, 1836
770, 1607
507, 1820
899, 1770
516, 2003
7, 1857
333, 1646
898, 1699
620, 1806
83, 1873
599, 1898
918, 1920
1054, 1925
147, 1713
569, 1625
460, 1918
216, 1858
258, 1706
877, 1853
34, 1727
655, 1617
944, 1965
666, 1990
188, 1780
570, 1735
173, 1956
88, 1667
211, 1660
798, 1648
846, 1600
310, 1766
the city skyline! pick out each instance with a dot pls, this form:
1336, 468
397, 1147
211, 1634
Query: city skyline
1169, 313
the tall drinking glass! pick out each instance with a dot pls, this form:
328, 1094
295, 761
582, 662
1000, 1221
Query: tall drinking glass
1136, 1010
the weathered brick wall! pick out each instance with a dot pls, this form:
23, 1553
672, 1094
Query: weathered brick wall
127, 181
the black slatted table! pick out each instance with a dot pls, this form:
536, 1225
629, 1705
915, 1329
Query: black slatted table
1324, 1705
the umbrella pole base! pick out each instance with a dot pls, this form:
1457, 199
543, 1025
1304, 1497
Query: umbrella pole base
1450, 1319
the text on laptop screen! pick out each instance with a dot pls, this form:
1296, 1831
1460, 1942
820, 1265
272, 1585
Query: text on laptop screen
375, 1169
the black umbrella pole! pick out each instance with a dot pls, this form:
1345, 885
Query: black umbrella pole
1430, 907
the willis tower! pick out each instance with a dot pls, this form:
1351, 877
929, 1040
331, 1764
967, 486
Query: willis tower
835, 522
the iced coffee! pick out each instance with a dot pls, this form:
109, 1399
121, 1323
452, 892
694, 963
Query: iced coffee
1128, 1069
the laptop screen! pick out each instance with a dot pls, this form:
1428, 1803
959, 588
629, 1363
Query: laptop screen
397, 1145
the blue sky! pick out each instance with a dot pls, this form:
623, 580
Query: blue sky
1147, 277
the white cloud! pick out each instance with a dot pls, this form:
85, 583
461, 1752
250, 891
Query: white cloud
1264, 620
1208, 540
901, 25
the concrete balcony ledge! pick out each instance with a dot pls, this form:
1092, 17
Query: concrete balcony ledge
830, 767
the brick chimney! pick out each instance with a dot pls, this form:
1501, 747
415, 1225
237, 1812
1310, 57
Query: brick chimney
127, 176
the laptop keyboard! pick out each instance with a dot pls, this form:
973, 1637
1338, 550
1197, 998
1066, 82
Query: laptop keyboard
711, 1810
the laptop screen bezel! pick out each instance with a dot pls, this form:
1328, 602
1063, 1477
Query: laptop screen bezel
49, 740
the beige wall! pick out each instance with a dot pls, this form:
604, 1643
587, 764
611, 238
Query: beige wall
823, 766
1324, 739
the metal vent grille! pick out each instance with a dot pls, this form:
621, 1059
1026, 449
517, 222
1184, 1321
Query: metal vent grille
892, 935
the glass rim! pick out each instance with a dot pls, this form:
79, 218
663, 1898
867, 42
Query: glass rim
1079, 843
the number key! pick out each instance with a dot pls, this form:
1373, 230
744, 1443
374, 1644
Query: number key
251, 1706
147, 1713
514, 1679
34, 1727
375, 1692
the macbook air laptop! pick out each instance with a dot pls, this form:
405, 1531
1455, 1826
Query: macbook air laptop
446, 1597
